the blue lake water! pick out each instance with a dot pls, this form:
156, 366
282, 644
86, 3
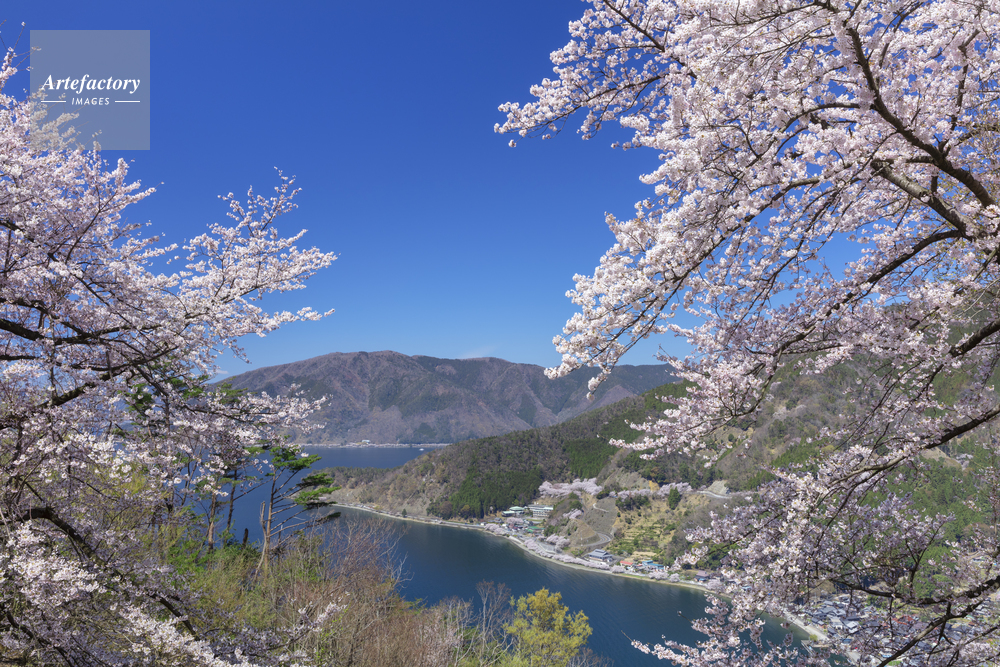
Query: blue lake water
440, 562
364, 457
247, 512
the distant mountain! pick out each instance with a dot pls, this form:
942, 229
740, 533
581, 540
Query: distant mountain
390, 397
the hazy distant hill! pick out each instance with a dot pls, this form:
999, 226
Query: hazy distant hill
390, 397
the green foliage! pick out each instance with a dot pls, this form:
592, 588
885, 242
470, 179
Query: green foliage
802, 455
654, 399
758, 478
291, 460
674, 498
311, 497
668, 468
945, 489
617, 427
500, 471
573, 502
316, 479
545, 632
632, 502
495, 489
314, 487
587, 456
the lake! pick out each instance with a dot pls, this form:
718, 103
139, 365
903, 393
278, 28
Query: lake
448, 561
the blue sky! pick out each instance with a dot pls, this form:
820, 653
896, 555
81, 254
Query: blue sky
451, 243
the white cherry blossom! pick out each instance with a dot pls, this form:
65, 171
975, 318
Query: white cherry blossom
107, 429
826, 194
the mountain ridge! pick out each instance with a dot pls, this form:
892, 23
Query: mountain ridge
387, 396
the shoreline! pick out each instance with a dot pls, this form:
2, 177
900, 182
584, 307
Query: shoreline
814, 633
386, 445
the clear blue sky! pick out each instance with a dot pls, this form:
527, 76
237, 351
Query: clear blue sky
451, 243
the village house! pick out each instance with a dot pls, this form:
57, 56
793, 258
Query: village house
539, 511
601, 556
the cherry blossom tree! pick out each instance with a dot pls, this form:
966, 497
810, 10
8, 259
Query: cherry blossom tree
106, 426
826, 195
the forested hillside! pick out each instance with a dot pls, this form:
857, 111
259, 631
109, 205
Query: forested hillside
502, 470
477, 478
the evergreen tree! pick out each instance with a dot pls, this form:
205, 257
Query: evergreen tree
545, 631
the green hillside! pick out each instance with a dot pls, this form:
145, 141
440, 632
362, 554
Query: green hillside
477, 478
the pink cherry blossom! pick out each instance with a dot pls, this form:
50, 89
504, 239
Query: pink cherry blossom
107, 427
825, 196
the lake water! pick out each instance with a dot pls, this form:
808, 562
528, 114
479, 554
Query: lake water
364, 457
447, 561
247, 511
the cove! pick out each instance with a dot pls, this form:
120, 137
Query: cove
443, 561
447, 561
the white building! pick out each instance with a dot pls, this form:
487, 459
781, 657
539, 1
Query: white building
540, 511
